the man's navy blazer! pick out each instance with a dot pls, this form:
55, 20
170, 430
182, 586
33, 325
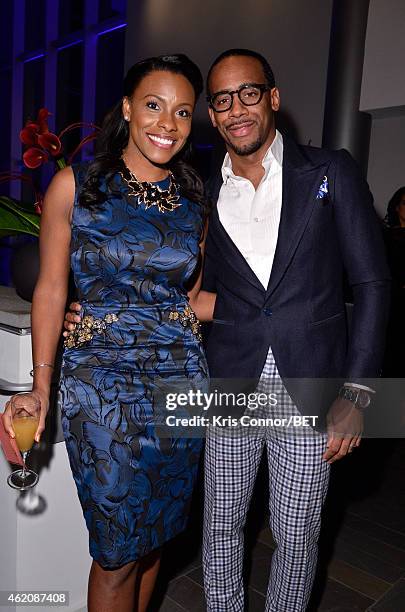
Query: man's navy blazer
301, 314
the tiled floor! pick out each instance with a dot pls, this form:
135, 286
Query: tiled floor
362, 560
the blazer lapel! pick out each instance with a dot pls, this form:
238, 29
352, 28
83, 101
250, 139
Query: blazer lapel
301, 180
225, 244
230, 251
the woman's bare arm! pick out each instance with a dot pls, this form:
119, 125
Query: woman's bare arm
202, 302
49, 299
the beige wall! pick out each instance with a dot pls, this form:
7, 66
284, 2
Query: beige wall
293, 35
386, 168
383, 84
383, 94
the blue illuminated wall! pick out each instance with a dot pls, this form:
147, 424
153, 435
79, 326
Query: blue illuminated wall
66, 55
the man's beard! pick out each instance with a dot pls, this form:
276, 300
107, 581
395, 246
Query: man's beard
247, 149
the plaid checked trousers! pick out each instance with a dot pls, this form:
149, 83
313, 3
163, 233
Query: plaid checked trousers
298, 482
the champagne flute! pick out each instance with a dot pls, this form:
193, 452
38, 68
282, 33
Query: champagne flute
25, 413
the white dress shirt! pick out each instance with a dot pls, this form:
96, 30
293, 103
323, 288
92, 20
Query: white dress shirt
252, 217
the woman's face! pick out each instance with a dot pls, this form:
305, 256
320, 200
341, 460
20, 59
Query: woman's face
159, 114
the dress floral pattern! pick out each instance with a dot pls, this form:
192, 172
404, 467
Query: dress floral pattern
134, 476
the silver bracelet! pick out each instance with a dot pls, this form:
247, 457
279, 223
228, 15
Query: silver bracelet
41, 365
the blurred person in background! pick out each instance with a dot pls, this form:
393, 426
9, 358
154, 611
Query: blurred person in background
394, 364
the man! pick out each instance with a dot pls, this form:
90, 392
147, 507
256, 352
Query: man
287, 222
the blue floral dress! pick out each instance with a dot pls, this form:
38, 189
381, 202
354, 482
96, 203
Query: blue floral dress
137, 342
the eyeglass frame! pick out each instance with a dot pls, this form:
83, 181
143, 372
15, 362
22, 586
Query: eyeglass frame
262, 87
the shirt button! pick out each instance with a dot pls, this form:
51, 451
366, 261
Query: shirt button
256, 219
267, 312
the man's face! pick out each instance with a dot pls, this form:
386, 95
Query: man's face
245, 129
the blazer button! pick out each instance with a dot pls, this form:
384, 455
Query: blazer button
267, 312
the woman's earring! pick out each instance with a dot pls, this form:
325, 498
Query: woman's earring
126, 118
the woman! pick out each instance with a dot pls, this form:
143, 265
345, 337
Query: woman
130, 226
394, 365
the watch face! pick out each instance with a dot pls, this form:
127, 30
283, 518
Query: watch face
353, 395
364, 399
350, 394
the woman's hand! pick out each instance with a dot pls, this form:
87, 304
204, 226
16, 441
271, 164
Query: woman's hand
7, 419
44, 400
71, 318
8, 414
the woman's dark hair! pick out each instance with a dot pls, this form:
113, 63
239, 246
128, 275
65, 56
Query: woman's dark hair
392, 218
267, 70
114, 134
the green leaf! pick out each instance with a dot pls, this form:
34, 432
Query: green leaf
20, 210
14, 219
26, 206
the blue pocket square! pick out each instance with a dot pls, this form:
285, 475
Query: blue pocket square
323, 189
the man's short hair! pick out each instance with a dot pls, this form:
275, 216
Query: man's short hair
268, 72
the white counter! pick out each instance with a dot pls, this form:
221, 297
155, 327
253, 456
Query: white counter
48, 551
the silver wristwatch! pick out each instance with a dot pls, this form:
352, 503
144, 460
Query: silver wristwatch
359, 397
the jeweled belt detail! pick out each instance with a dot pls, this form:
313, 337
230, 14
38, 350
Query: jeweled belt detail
88, 327
187, 318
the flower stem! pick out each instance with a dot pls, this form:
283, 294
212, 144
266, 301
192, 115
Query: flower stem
61, 163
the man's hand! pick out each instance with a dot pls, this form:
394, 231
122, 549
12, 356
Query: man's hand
72, 317
344, 427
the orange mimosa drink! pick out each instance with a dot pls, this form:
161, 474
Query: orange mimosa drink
25, 428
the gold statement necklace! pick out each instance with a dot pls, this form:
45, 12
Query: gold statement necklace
151, 194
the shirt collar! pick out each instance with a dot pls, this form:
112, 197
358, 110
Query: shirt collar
273, 153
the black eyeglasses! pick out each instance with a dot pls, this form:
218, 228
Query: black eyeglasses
249, 94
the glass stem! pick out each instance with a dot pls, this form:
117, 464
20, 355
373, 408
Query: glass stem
24, 470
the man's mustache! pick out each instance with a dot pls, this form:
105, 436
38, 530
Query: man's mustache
240, 122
